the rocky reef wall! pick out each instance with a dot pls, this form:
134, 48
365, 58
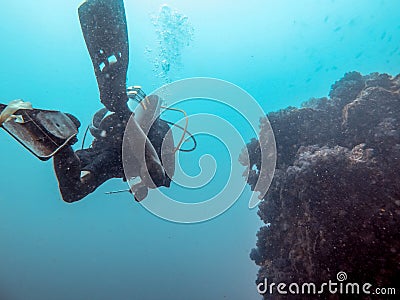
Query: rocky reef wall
334, 203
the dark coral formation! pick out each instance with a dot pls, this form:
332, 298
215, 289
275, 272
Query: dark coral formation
334, 203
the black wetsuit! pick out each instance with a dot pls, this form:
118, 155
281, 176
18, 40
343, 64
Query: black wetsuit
103, 160
103, 24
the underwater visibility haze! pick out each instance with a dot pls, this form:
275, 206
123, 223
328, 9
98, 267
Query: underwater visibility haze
108, 246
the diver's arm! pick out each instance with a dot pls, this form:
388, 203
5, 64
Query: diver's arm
77, 177
68, 171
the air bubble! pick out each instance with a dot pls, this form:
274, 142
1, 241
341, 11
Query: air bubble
174, 33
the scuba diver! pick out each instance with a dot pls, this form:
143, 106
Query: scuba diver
51, 133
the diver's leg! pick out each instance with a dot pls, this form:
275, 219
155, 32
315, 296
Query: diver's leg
67, 167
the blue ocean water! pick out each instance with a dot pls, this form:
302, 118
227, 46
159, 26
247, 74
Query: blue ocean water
110, 247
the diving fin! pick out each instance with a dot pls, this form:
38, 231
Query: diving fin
104, 28
42, 132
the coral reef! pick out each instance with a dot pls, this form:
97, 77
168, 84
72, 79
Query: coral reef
334, 203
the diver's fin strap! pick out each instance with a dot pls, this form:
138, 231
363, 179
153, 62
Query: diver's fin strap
11, 109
